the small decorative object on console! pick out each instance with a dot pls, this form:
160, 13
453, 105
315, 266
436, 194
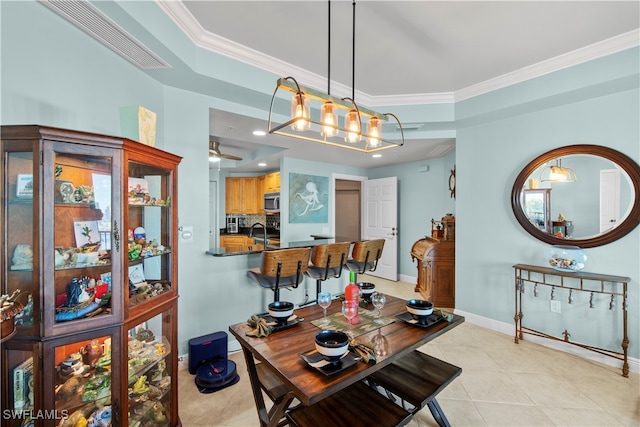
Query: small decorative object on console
566, 258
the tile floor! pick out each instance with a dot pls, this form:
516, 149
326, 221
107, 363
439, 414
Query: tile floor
502, 384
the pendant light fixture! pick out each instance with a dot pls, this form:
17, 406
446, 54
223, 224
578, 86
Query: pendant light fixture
329, 129
557, 173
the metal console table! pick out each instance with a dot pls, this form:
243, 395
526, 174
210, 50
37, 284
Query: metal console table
574, 281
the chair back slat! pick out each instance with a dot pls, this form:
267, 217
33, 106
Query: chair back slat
367, 250
291, 261
337, 252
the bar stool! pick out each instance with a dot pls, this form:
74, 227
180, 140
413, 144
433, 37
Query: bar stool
365, 255
327, 261
281, 268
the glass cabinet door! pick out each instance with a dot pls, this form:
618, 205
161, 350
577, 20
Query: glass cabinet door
82, 382
20, 279
82, 242
151, 392
21, 395
150, 234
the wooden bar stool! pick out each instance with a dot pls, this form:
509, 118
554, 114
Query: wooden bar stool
281, 268
365, 255
417, 378
327, 261
356, 405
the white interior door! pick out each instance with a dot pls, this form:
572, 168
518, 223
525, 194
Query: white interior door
609, 199
381, 222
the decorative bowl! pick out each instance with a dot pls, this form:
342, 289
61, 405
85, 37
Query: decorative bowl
366, 289
419, 309
281, 311
332, 344
566, 258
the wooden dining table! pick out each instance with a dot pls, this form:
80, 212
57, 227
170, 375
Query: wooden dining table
279, 352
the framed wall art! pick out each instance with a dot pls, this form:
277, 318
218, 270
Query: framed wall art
308, 198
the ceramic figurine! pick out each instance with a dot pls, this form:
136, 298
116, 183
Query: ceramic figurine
100, 418
22, 258
92, 352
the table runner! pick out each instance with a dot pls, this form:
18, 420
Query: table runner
338, 322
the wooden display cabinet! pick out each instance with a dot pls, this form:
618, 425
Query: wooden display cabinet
67, 211
436, 270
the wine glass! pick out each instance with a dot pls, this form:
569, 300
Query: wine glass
349, 310
324, 301
378, 300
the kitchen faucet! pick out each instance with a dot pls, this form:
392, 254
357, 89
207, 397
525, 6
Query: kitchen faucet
264, 229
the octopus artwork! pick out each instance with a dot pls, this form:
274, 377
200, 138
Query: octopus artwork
311, 198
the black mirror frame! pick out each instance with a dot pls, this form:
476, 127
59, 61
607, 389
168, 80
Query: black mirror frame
626, 163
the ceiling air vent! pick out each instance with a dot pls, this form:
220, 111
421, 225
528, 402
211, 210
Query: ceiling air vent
409, 127
85, 16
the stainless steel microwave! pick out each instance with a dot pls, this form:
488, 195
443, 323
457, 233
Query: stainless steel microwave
272, 202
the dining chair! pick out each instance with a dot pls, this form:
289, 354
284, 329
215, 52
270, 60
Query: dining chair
327, 261
355, 405
365, 255
281, 268
416, 379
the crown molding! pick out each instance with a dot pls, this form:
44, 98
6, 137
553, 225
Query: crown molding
220, 45
579, 56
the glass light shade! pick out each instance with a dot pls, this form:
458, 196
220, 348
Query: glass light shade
354, 129
213, 158
374, 131
329, 119
558, 173
300, 110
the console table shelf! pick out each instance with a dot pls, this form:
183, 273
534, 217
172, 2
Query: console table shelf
574, 281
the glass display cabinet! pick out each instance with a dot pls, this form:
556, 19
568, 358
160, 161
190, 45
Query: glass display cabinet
89, 255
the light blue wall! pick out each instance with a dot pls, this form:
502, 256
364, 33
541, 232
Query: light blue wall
489, 155
53, 74
422, 196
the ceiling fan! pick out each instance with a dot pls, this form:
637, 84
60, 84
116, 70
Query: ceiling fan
215, 155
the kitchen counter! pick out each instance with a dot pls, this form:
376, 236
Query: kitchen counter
221, 252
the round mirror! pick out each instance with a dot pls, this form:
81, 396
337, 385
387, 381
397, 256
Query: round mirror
583, 195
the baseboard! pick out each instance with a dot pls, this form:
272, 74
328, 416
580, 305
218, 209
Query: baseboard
509, 329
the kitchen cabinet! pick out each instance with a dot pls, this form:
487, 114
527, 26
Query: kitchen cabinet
237, 243
436, 270
233, 243
261, 183
272, 183
241, 195
90, 227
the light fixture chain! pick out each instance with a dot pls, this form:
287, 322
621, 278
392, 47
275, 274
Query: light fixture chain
353, 55
329, 50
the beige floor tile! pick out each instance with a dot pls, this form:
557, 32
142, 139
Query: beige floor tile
552, 390
492, 386
580, 417
496, 414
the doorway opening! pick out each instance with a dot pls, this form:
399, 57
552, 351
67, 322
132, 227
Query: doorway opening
348, 223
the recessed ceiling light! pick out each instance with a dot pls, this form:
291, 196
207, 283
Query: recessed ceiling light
259, 133
263, 164
375, 156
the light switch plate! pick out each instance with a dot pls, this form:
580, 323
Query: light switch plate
555, 306
186, 235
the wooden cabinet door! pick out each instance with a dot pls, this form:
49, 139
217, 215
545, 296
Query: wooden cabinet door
250, 195
233, 243
233, 195
443, 285
273, 183
261, 186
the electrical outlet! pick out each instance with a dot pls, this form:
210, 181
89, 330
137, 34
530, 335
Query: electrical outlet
555, 306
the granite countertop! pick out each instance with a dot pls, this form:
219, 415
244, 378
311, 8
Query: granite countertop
220, 252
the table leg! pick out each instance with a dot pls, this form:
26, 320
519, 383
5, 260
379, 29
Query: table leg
272, 417
437, 413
